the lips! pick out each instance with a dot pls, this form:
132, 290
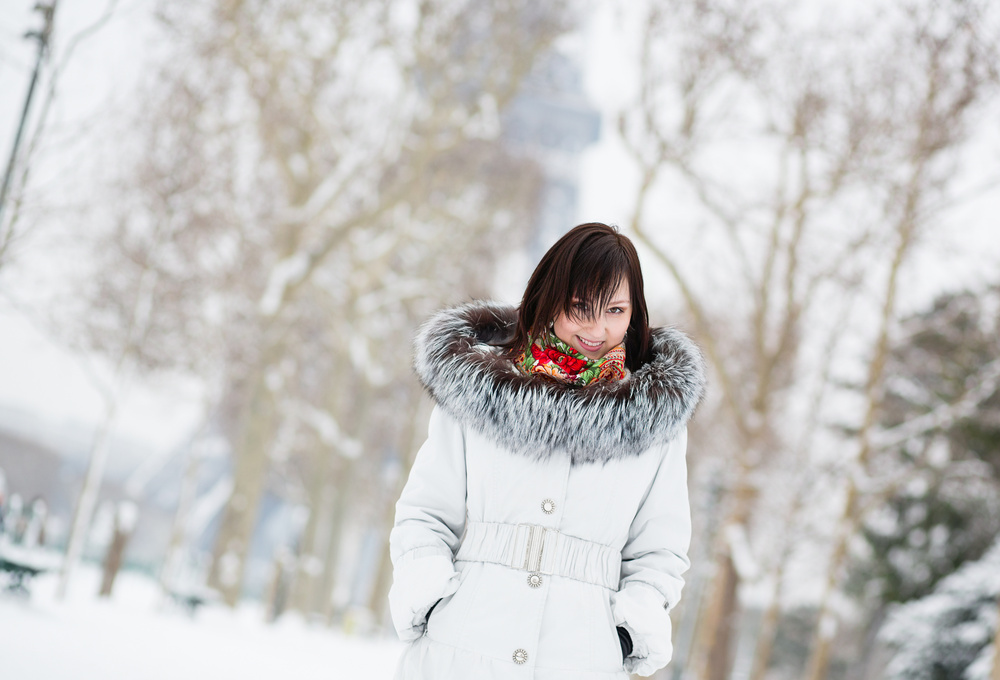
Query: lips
589, 346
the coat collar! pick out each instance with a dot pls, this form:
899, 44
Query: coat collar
458, 360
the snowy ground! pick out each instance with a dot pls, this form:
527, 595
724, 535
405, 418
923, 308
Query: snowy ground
134, 636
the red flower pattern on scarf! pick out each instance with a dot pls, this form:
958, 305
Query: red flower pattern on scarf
571, 365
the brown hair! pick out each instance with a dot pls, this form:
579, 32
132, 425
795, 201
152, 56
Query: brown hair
587, 264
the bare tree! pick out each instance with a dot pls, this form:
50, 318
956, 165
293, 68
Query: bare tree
952, 47
325, 174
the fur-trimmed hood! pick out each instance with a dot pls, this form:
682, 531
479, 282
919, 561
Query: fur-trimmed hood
458, 359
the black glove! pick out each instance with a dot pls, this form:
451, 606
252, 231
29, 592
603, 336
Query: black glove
428, 617
626, 642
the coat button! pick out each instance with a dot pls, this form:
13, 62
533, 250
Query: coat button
548, 506
520, 656
534, 580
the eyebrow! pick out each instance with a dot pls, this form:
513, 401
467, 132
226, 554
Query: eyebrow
613, 302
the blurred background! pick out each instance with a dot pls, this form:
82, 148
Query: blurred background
222, 221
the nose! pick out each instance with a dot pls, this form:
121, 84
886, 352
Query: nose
594, 327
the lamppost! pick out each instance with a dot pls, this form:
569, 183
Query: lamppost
42, 36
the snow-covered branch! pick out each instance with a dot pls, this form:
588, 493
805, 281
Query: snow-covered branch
285, 273
945, 415
743, 558
329, 430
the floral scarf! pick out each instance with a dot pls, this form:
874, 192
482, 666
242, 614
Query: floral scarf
551, 356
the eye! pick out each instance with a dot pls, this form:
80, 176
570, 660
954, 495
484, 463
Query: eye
616, 310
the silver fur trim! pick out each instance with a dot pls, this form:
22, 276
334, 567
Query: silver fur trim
458, 360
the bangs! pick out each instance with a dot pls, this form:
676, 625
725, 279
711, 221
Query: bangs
595, 277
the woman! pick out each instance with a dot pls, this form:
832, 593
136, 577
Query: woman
545, 520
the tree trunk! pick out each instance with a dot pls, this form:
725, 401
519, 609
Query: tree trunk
178, 530
323, 600
232, 544
276, 598
995, 675
721, 650
87, 501
113, 562
768, 628
863, 668
359, 415
321, 493
312, 546
379, 600
124, 524
713, 659
826, 624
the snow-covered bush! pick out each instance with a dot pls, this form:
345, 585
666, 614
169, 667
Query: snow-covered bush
949, 634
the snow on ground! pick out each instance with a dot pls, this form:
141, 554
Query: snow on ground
136, 636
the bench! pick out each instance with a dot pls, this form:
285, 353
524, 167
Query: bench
22, 564
191, 599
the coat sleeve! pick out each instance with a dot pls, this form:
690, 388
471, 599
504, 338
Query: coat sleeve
429, 523
653, 559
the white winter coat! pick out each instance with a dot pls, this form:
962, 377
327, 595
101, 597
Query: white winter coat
596, 479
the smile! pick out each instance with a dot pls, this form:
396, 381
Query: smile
589, 345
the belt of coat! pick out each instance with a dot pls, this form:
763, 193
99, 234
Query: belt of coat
542, 550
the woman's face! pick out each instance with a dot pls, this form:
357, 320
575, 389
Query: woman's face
593, 338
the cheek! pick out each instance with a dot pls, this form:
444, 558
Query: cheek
621, 327
564, 328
